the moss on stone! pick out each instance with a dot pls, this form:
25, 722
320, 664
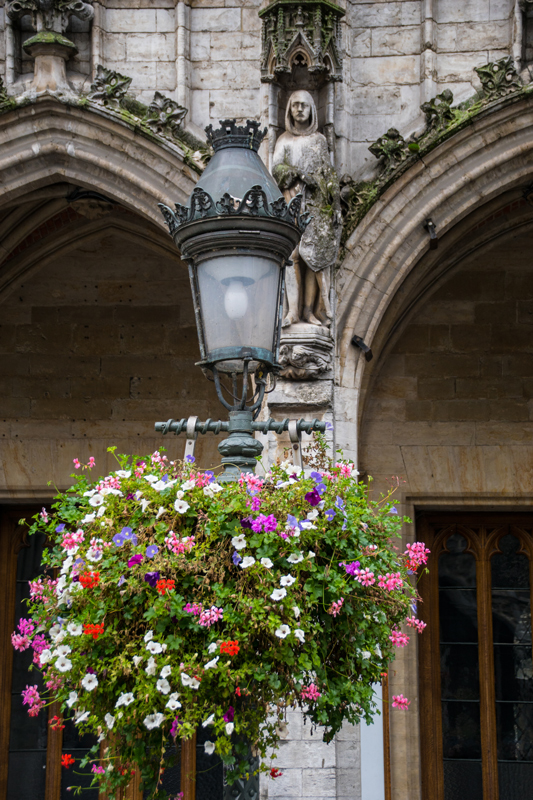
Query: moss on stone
50, 37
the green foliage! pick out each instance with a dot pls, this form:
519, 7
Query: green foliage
260, 615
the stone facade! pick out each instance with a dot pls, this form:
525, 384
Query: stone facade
97, 335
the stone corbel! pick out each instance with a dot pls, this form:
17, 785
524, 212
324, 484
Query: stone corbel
109, 87
165, 116
306, 352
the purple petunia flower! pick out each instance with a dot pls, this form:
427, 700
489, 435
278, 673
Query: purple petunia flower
236, 558
121, 580
152, 578
176, 725
246, 522
152, 551
229, 716
353, 568
313, 497
128, 535
330, 513
393, 510
190, 459
292, 521
321, 488
134, 560
91, 671
339, 502
118, 539
329, 426
317, 477
130, 496
60, 527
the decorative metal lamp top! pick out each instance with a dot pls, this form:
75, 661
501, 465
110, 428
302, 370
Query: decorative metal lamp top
234, 184
232, 135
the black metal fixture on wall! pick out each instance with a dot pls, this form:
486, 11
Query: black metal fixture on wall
237, 234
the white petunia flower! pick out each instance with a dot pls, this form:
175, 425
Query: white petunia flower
152, 667
88, 518
297, 612
307, 525
94, 554
186, 680
96, 500
266, 562
89, 493
160, 511
151, 478
300, 634
89, 682
148, 636
109, 721
154, 647
230, 727
366, 654
247, 562
163, 686
100, 513
138, 495
278, 594
213, 647
45, 656
212, 663
181, 506
179, 494
312, 514
377, 650
123, 473
165, 672
310, 554
63, 664
209, 748
287, 580
283, 631
188, 485
211, 489
295, 558
81, 716
239, 542
54, 630
208, 721
63, 650
75, 628
125, 699
173, 702
153, 721
73, 696
137, 660
145, 504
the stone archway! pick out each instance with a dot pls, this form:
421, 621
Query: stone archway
465, 179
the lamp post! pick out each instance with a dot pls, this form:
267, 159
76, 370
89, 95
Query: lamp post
237, 234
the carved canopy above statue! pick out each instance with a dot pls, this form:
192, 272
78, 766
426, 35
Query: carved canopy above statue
307, 33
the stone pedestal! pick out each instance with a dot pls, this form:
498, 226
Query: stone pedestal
51, 52
306, 352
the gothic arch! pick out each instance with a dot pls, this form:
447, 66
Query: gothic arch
48, 142
460, 184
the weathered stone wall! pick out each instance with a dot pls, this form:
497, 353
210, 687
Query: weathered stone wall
94, 348
450, 414
205, 54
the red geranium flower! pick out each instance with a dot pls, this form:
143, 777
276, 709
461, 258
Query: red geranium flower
67, 760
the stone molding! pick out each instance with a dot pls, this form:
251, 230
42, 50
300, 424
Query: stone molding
495, 151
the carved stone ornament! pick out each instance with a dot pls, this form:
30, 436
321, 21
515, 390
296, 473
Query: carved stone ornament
306, 351
46, 14
254, 203
391, 148
438, 111
4, 97
499, 78
310, 29
164, 115
109, 87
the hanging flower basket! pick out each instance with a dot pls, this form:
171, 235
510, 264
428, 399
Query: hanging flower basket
172, 602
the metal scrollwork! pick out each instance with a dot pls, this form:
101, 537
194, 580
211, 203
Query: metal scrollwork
254, 203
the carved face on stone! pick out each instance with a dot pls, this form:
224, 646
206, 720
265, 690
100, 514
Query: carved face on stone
300, 107
301, 116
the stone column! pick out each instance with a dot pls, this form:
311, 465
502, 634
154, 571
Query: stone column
183, 47
428, 54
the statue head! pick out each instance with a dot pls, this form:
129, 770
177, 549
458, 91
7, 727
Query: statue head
300, 116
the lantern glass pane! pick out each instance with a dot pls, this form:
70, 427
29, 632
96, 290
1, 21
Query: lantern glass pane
239, 298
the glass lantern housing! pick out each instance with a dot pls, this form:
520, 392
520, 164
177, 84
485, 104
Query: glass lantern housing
237, 234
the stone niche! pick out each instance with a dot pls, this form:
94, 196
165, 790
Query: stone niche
301, 48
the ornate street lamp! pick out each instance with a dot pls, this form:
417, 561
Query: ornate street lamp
237, 234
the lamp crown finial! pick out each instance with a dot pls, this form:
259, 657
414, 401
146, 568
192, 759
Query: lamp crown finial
232, 135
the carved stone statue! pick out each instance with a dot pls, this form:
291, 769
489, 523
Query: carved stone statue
302, 163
